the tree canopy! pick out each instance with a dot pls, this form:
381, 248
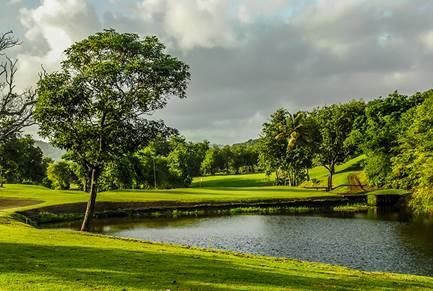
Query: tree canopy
96, 105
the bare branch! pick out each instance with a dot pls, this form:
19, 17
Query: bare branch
7, 40
16, 109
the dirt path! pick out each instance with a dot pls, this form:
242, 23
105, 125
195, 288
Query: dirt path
355, 184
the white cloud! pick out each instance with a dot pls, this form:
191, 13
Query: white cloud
192, 23
249, 57
51, 28
250, 10
427, 40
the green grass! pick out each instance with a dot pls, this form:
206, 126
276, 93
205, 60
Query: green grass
44, 259
226, 194
389, 192
319, 173
53, 259
341, 175
245, 180
209, 188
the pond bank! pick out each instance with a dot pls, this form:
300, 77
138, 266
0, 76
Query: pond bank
375, 239
75, 211
67, 260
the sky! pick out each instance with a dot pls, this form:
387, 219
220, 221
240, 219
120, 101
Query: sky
247, 57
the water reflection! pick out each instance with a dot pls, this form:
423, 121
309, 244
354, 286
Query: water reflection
376, 240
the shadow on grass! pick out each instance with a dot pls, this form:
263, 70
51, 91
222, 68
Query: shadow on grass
264, 190
95, 267
6, 203
351, 168
233, 182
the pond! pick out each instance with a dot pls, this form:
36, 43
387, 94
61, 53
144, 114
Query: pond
373, 241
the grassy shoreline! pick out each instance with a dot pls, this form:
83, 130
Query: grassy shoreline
54, 259
47, 259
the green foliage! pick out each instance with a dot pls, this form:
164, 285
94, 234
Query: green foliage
412, 167
379, 133
210, 166
378, 168
335, 124
21, 161
422, 200
61, 174
94, 107
287, 146
172, 162
244, 158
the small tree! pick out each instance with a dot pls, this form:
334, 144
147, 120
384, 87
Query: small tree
95, 105
335, 124
208, 165
61, 175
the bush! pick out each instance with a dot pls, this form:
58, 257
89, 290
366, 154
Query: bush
422, 200
61, 175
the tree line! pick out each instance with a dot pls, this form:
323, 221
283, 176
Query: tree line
394, 133
165, 163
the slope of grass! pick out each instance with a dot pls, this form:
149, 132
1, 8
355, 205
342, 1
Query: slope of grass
319, 173
46, 197
244, 180
32, 258
342, 172
210, 188
53, 259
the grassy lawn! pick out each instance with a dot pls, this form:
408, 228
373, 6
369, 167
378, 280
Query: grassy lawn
210, 188
47, 197
53, 259
352, 166
33, 258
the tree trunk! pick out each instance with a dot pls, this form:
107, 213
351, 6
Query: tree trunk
329, 182
90, 209
87, 181
331, 173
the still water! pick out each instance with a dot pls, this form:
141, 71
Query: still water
373, 241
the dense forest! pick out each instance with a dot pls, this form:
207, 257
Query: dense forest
394, 133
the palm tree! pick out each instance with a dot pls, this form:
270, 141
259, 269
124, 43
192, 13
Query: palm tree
295, 130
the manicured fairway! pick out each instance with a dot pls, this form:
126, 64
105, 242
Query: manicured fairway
32, 258
212, 188
52, 197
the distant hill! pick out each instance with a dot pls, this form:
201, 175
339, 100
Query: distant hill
49, 151
248, 142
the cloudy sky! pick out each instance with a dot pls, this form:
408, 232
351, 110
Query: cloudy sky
247, 57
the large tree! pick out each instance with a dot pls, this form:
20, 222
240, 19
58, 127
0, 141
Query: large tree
377, 134
287, 146
335, 124
412, 167
95, 106
21, 161
15, 107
